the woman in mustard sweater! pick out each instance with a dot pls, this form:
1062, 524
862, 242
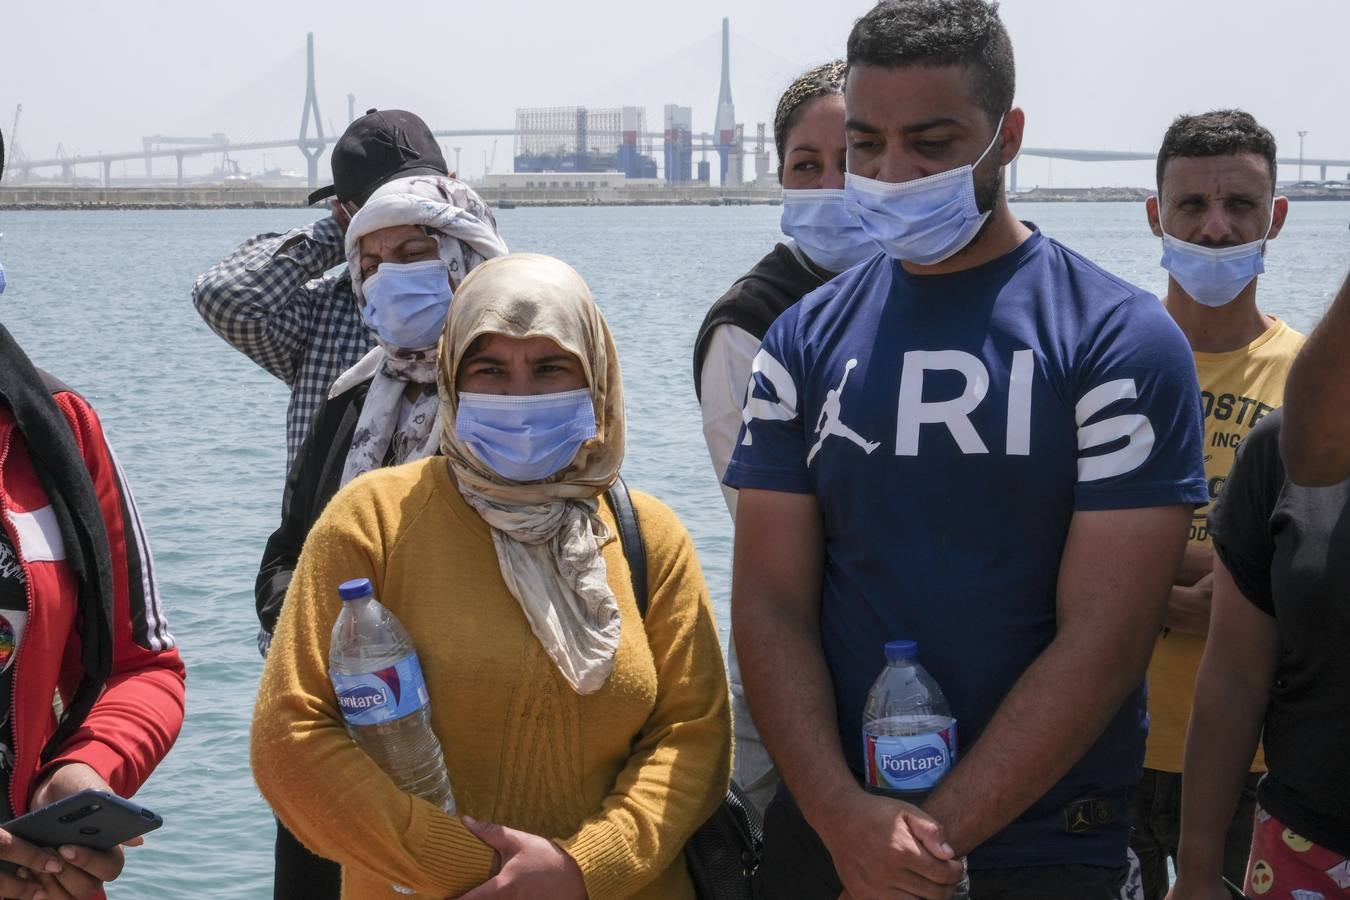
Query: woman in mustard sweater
584, 744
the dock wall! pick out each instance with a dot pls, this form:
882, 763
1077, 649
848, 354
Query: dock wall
244, 197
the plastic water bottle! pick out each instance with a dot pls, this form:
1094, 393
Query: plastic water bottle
383, 697
909, 734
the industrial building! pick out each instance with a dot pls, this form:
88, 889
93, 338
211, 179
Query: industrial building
679, 135
577, 139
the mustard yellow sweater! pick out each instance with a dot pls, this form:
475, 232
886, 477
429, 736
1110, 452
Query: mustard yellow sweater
619, 778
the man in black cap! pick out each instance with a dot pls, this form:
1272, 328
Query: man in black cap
272, 301
270, 298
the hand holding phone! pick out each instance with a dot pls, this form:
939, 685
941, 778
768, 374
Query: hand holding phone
89, 826
96, 819
39, 864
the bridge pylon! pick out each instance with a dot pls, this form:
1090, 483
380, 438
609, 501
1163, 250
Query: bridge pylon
311, 147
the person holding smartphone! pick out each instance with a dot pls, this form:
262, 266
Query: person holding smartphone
82, 630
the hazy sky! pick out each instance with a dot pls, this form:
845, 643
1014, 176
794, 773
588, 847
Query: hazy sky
1093, 74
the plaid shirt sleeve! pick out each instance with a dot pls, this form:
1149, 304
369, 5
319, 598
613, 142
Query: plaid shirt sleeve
266, 297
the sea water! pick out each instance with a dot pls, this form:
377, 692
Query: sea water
102, 299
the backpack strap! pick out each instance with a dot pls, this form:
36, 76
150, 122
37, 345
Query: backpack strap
630, 539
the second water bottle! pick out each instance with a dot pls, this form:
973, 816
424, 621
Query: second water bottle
909, 734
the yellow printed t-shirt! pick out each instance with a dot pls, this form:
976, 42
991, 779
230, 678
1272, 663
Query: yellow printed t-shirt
1237, 389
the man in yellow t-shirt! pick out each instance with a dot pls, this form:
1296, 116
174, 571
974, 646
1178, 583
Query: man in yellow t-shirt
1216, 208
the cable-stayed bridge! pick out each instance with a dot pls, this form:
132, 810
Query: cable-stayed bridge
313, 145
154, 149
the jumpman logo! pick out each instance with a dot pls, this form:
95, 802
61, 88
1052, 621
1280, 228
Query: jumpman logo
829, 424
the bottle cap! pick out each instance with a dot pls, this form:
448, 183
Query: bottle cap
355, 589
898, 650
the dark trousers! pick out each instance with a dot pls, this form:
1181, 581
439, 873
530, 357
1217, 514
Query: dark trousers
1156, 814
797, 865
300, 875
1157, 830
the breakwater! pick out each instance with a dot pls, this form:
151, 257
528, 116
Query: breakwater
260, 197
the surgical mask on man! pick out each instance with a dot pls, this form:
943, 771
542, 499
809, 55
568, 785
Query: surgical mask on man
406, 303
925, 220
825, 229
1213, 276
529, 437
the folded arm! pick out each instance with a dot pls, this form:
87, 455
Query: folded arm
300, 746
1113, 585
879, 846
262, 299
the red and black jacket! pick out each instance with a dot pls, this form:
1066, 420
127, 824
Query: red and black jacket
97, 679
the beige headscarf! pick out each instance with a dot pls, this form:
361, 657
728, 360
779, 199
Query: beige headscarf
547, 534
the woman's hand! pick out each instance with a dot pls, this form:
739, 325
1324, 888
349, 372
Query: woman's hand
527, 866
85, 870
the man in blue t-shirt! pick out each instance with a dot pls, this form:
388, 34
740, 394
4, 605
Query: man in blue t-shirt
979, 441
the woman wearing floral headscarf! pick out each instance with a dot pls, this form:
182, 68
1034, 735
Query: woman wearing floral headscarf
584, 743
408, 249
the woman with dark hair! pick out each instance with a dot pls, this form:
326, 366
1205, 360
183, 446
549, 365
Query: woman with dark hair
823, 240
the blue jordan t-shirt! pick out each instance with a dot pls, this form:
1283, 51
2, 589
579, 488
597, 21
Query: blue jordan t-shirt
949, 426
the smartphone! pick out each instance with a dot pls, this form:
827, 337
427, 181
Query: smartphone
90, 818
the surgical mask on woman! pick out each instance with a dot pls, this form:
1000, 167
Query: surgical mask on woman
525, 437
822, 224
406, 303
925, 220
1213, 276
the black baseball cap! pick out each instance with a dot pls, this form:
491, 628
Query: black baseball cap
381, 145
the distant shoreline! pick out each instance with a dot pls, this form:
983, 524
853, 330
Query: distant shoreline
28, 198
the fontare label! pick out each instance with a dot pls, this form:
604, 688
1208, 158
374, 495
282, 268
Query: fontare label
908, 762
374, 698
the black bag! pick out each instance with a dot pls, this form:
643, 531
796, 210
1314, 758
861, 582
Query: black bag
723, 854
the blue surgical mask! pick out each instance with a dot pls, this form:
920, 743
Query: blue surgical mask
525, 438
406, 303
825, 229
2, 278
922, 221
1212, 276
